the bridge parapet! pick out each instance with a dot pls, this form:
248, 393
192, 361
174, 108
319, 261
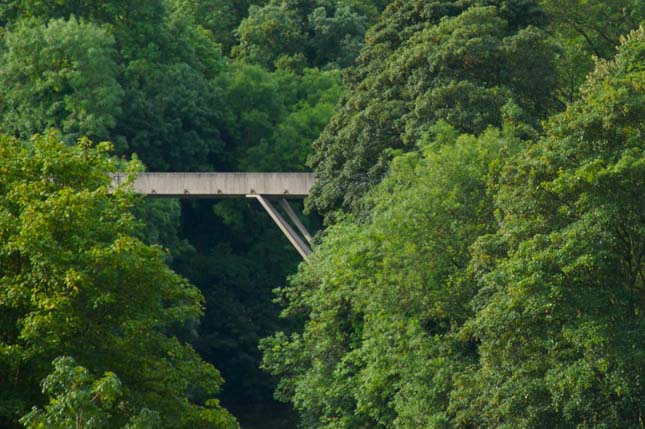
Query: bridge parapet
220, 185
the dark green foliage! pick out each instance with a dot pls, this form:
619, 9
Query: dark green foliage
240, 255
76, 282
586, 28
274, 117
220, 17
117, 12
172, 111
172, 117
154, 98
461, 62
304, 33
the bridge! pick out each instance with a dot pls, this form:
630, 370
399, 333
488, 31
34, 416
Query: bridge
264, 187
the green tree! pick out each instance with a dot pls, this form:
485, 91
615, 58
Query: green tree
61, 74
220, 17
109, 12
461, 62
384, 297
272, 118
239, 255
561, 312
76, 282
79, 400
305, 33
270, 32
584, 29
173, 108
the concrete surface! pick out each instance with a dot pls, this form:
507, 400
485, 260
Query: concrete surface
220, 185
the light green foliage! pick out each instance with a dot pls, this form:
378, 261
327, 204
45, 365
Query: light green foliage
384, 297
561, 315
79, 400
296, 34
587, 28
60, 74
309, 101
76, 282
274, 117
467, 64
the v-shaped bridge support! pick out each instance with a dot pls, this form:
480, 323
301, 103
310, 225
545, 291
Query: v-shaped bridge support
284, 226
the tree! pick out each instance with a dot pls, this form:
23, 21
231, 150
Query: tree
219, 17
560, 317
239, 255
308, 101
173, 108
79, 400
586, 29
76, 282
384, 297
61, 74
117, 12
461, 62
304, 33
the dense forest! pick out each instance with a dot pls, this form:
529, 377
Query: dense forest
480, 207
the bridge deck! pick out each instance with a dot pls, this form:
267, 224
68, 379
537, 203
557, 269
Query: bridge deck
221, 185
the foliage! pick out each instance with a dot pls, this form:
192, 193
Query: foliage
172, 110
383, 297
76, 282
496, 284
60, 74
275, 117
469, 289
584, 29
460, 62
304, 33
77, 399
240, 256
220, 17
561, 311
116, 12
171, 98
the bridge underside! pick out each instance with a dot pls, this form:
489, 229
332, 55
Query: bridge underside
264, 187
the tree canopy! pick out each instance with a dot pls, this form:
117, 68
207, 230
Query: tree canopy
479, 205
498, 282
466, 63
76, 282
60, 74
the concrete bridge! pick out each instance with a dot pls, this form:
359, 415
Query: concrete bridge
265, 187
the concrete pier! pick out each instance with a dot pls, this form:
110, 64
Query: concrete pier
220, 185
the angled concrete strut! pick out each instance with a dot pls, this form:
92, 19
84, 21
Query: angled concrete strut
297, 242
261, 186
